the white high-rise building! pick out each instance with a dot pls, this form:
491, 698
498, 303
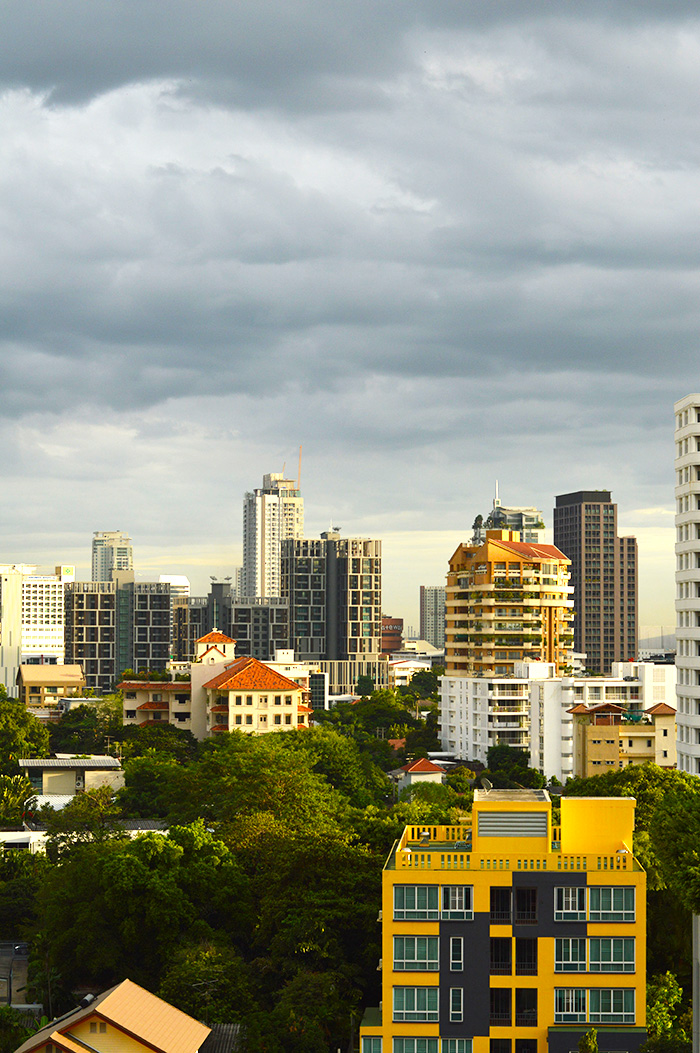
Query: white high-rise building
32, 626
687, 466
272, 514
432, 615
111, 552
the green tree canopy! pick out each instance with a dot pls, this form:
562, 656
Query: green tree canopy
21, 734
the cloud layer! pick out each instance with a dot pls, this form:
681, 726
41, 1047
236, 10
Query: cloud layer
436, 243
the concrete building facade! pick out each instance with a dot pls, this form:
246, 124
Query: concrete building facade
511, 935
603, 575
271, 514
432, 615
112, 552
506, 602
687, 469
334, 589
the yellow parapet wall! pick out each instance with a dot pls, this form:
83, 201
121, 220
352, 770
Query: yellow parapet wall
592, 825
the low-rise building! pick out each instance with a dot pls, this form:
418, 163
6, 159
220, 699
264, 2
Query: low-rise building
124, 1019
608, 737
68, 774
419, 773
250, 696
42, 688
531, 710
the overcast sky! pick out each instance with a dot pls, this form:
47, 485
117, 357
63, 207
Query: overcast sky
438, 242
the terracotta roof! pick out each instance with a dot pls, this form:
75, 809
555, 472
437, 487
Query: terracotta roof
578, 708
219, 727
134, 1011
217, 650
248, 674
421, 766
219, 709
215, 637
396, 744
530, 551
153, 705
662, 709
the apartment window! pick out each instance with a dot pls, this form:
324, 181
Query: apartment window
500, 905
456, 1045
570, 955
611, 904
249, 700
611, 955
526, 957
456, 954
415, 1003
456, 1001
416, 903
525, 906
130, 713
457, 903
416, 953
500, 958
569, 1005
239, 700
526, 1045
249, 718
500, 1006
415, 1045
372, 1045
570, 903
278, 700
278, 718
288, 718
287, 700
526, 1007
239, 718
499, 1045
610, 1006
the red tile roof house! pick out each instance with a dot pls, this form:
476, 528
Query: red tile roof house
420, 772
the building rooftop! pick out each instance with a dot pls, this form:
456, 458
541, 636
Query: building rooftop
526, 796
248, 674
82, 763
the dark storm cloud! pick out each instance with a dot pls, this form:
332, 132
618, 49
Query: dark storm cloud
255, 52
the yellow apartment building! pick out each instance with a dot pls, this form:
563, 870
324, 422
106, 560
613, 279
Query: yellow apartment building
511, 935
506, 602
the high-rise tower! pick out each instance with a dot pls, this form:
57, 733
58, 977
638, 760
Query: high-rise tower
111, 552
271, 514
687, 466
432, 615
604, 577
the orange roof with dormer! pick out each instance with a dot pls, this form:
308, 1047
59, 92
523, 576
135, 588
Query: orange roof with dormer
248, 674
215, 637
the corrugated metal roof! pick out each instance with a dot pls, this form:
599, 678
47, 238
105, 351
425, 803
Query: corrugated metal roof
82, 763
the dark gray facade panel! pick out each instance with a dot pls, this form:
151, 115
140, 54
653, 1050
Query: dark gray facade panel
545, 883
474, 979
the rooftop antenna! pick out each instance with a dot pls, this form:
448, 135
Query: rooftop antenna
496, 500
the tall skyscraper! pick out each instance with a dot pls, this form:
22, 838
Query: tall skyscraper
432, 614
271, 515
687, 465
334, 590
111, 552
604, 577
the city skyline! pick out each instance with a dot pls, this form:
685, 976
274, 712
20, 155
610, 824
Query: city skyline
462, 250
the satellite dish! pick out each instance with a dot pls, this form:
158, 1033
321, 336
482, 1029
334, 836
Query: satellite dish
486, 784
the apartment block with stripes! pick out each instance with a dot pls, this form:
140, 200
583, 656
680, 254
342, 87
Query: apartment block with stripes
515, 933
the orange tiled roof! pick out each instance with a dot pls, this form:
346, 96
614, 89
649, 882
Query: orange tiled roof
215, 637
248, 674
153, 705
421, 766
662, 709
530, 551
219, 727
